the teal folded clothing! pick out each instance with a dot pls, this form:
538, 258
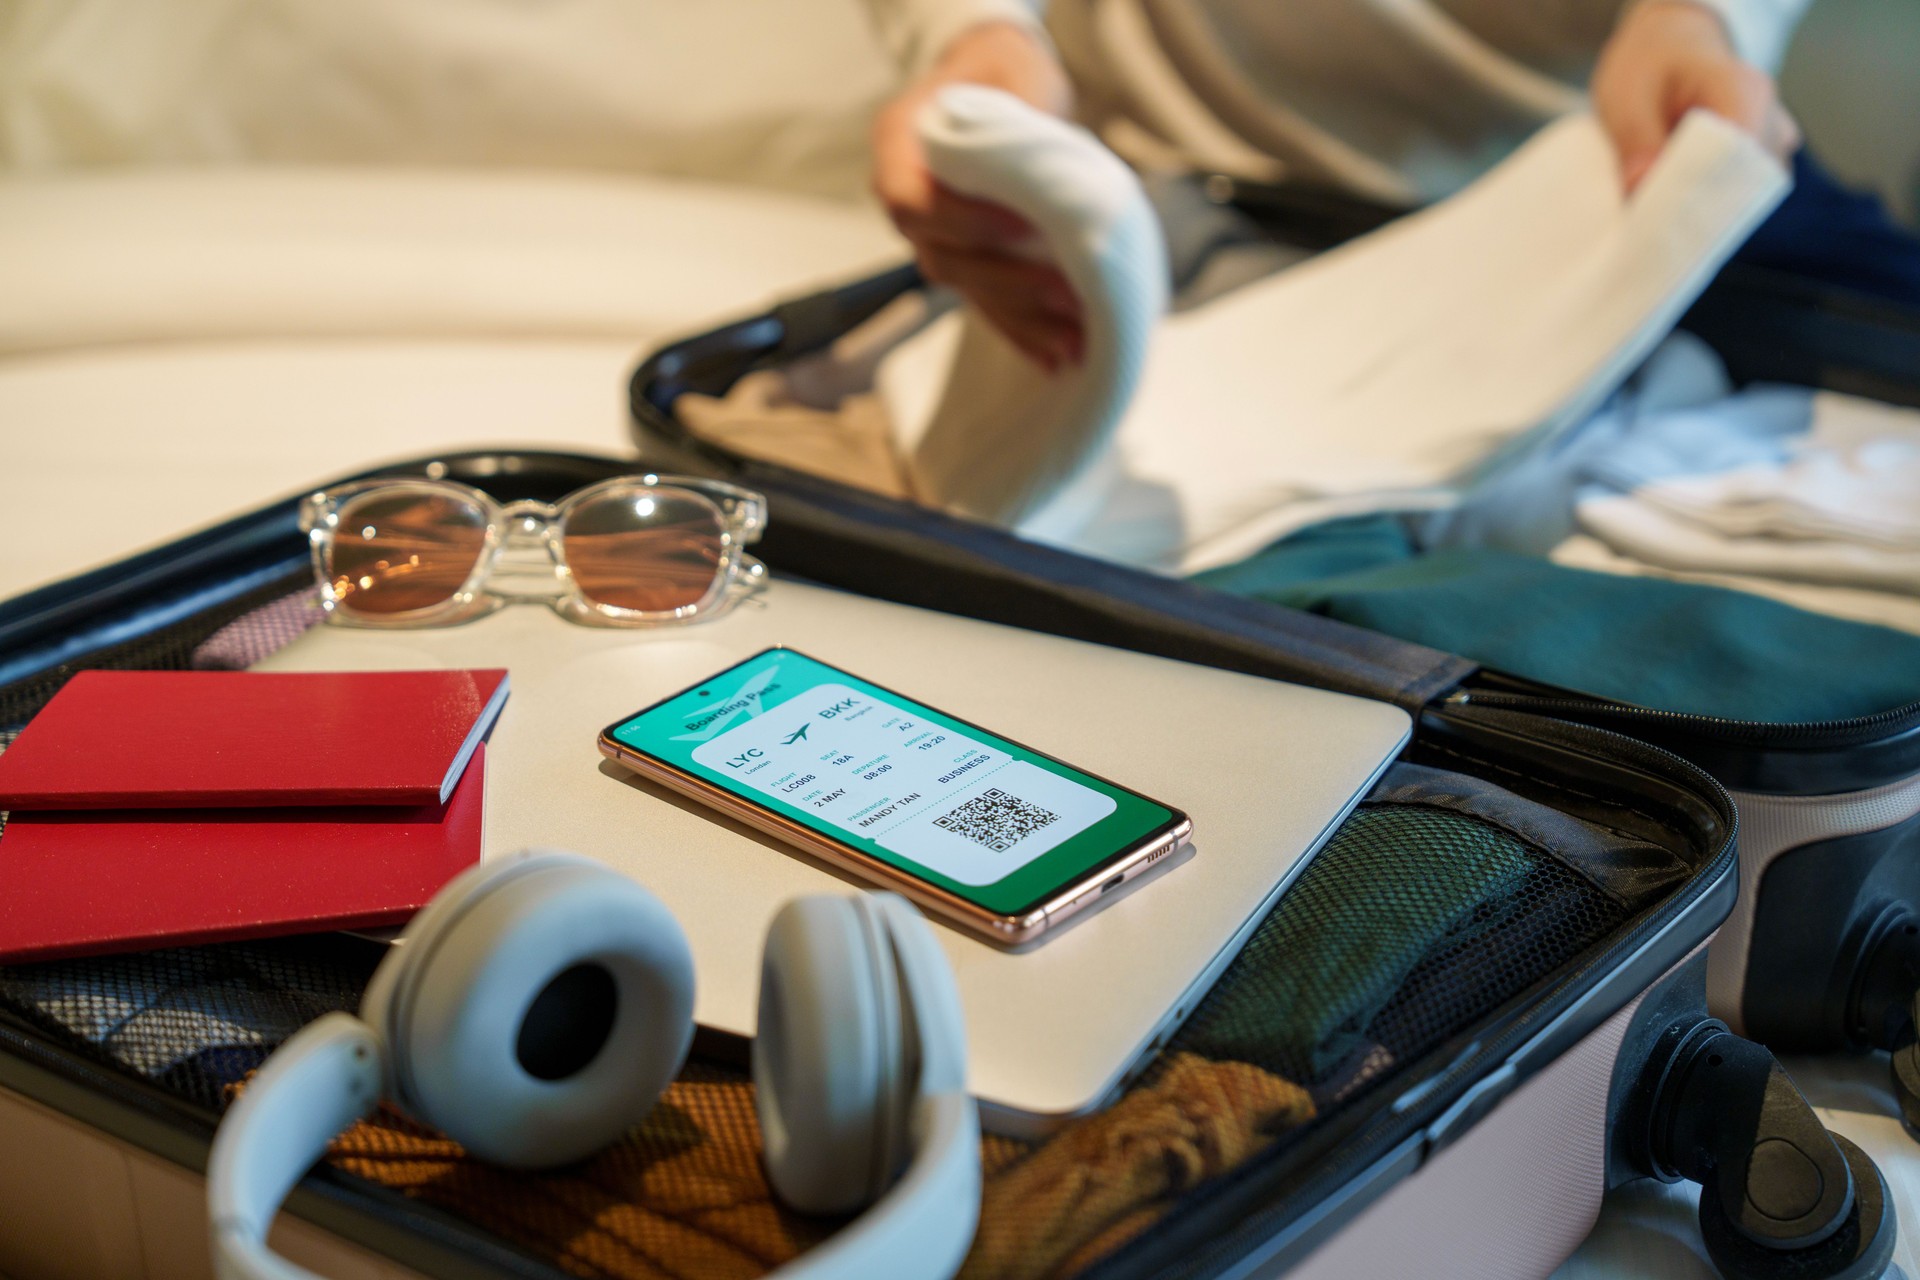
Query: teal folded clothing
1668, 645
1393, 886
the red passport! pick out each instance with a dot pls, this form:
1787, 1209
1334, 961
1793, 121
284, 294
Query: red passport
85, 883
229, 739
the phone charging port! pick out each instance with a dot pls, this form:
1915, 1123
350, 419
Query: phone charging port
1114, 883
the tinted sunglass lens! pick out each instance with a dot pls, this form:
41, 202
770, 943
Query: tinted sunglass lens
653, 550
395, 553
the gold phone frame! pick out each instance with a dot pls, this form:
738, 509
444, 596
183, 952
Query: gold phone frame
1156, 849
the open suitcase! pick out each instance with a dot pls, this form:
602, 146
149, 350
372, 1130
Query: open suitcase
1543, 1043
1822, 951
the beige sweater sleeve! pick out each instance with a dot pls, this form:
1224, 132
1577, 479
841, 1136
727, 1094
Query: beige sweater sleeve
917, 32
1760, 28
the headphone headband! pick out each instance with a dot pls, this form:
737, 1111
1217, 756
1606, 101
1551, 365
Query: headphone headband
331, 1072
929, 1215
310, 1091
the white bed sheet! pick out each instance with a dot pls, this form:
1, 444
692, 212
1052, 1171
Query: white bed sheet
778, 94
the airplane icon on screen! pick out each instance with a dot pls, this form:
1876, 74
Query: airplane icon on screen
796, 735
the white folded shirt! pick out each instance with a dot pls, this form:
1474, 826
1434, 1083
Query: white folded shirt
1854, 477
1648, 532
1776, 482
1005, 441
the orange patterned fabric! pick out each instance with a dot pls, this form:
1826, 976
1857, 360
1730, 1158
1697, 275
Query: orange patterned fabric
1110, 1176
683, 1197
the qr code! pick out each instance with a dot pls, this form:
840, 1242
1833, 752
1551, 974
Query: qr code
997, 820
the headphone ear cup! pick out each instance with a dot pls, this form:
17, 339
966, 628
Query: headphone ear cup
930, 1000
399, 965
829, 1059
538, 1011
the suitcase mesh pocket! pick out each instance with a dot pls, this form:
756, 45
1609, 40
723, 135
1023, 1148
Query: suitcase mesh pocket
167, 649
1413, 922
194, 1020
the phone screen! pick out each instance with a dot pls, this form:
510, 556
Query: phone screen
993, 822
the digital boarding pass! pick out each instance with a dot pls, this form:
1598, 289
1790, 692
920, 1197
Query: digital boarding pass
918, 788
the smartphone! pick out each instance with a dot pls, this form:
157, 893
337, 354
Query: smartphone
1001, 840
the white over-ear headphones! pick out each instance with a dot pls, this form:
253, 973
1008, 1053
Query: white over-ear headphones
541, 1004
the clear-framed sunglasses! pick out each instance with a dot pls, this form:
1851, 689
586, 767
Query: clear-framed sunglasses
633, 551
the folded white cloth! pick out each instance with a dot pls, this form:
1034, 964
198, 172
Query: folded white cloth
1527, 506
1394, 371
1648, 532
1006, 441
1853, 477
1773, 481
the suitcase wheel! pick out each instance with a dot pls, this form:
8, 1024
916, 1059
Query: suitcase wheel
1861, 1249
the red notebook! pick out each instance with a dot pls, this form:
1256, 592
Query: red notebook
225, 739
87, 883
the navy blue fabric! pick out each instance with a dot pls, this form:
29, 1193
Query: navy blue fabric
1822, 231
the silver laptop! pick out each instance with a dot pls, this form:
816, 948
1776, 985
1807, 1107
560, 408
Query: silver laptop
1265, 770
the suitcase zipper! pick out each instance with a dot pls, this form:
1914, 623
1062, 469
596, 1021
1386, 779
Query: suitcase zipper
1815, 757
1834, 732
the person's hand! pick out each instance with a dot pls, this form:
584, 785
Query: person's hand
1667, 57
972, 245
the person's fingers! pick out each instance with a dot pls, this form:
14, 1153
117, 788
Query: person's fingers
900, 177
923, 210
1732, 90
1630, 97
1666, 58
1640, 110
1050, 341
1037, 286
1030, 302
964, 242
953, 221
1632, 111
